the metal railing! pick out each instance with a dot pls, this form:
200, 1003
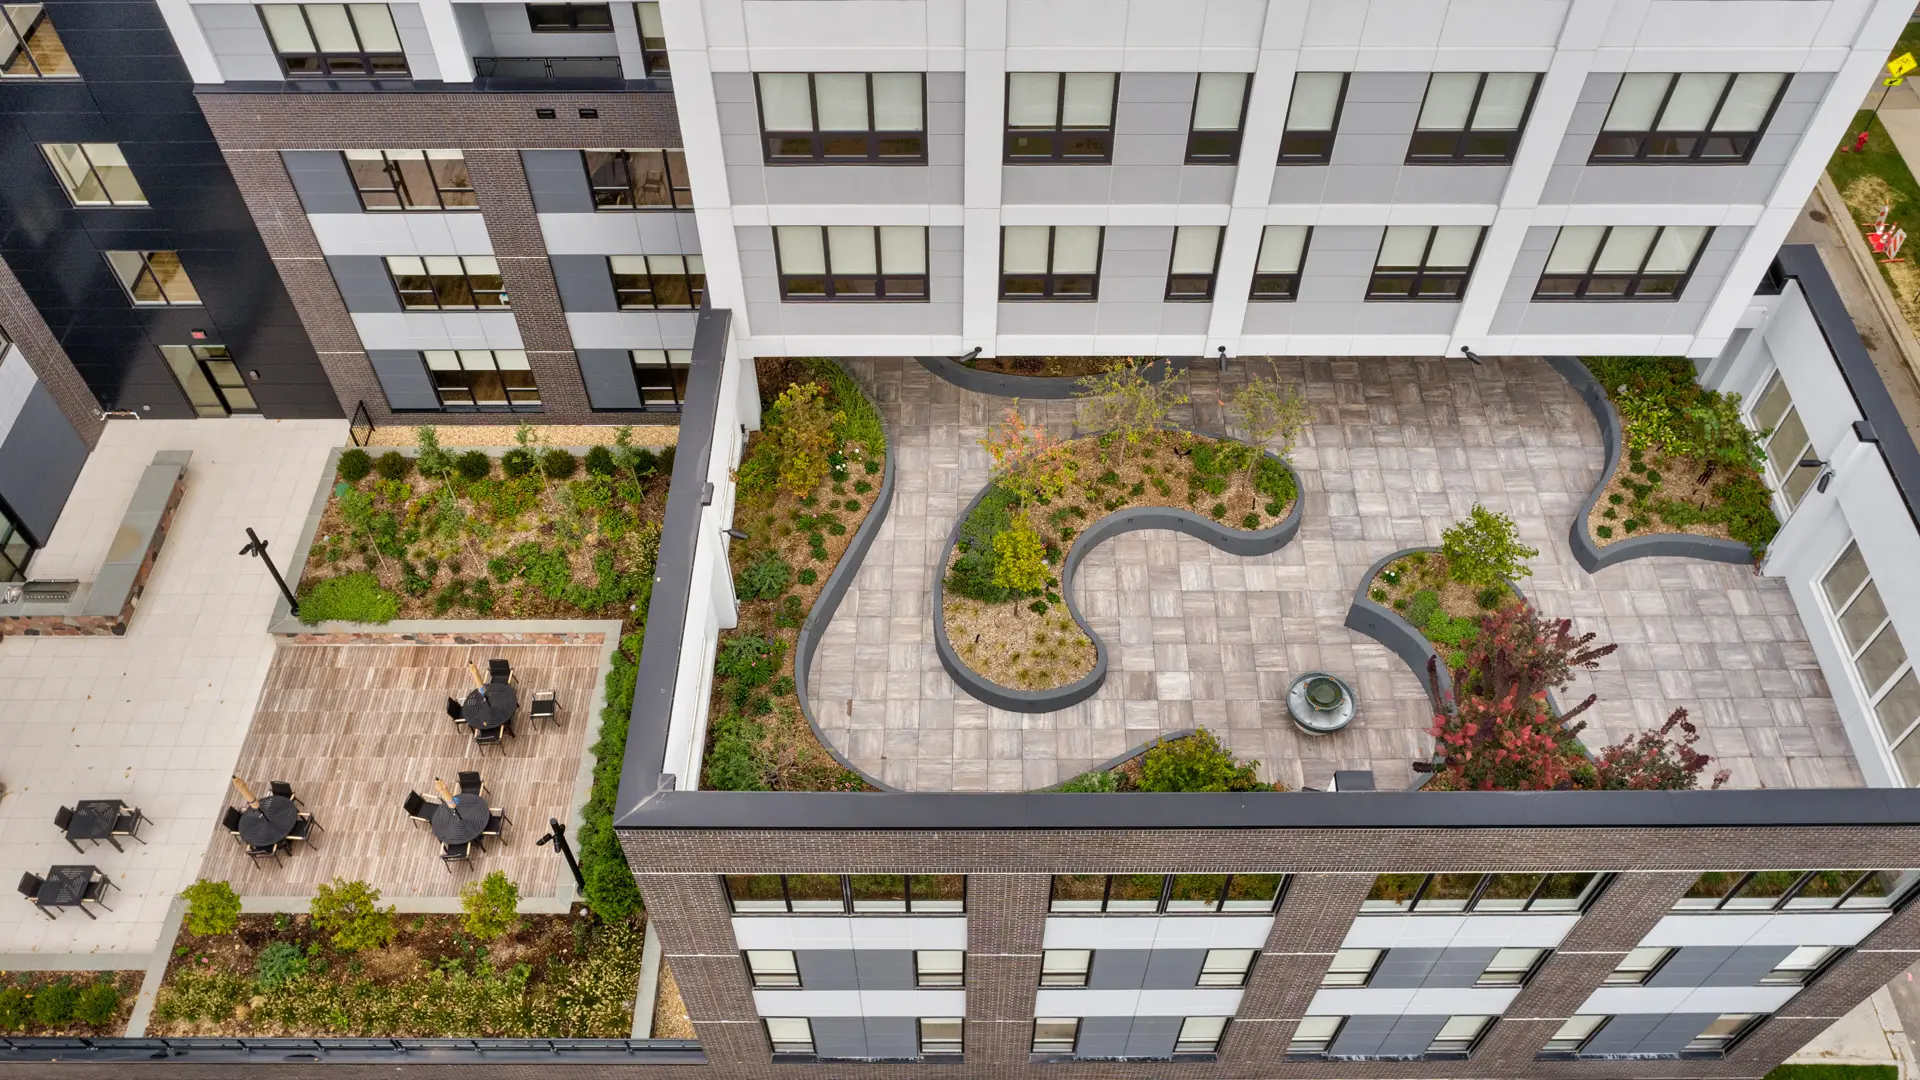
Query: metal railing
361, 419
547, 68
349, 1051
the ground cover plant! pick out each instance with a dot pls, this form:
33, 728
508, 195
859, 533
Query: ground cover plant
1196, 762
1876, 177
47, 1003
534, 535
1692, 464
806, 482
562, 976
1445, 593
1002, 604
1046, 367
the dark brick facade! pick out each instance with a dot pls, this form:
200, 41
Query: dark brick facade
49, 361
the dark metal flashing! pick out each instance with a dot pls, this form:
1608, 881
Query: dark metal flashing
1801, 262
396, 1052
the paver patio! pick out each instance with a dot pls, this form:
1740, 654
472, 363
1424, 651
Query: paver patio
1398, 450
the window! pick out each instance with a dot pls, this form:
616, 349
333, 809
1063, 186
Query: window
1480, 892
1785, 438
1458, 1035
411, 179
1693, 117
94, 174
1800, 966
1574, 1034
1720, 1035
1424, 262
926, 894
638, 179
1050, 262
1797, 890
934, 968
1313, 1035
210, 379
844, 117
790, 1034
1200, 1035
1352, 967
772, 968
1621, 262
14, 550
851, 262
1196, 256
1060, 117
447, 282
653, 39
1173, 893
1065, 967
153, 278
1511, 967
1472, 118
1276, 273
1638, 966
1055, 1035
940, 1036
320, 40
1879, 658
1226, 967
29, 49
482, 379
1313, 115
661, 375
1219, 111
649, 282
570, 18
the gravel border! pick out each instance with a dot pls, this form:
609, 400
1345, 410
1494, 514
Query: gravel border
1034, 387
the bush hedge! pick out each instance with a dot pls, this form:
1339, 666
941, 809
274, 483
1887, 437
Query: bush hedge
356, 597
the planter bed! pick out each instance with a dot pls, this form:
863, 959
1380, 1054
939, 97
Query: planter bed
1042, 378
555, 976
1447, 613
24, 1002
760, 736
1044, 367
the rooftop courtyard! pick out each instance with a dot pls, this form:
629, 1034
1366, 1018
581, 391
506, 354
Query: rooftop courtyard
1398, 449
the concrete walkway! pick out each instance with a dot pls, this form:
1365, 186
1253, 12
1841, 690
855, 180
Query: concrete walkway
1872, 1034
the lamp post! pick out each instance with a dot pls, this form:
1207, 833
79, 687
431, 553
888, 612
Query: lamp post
257, 548
558, 838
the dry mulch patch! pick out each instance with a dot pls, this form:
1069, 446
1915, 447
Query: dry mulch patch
669, 1011
1679, 480
1046, 367
32, 982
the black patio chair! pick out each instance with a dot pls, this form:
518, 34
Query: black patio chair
285, 791
499, 671
453, 853
127, 822
471, 784
96, 892
30, 883
63, 818
416, 807
497, 821
544, 706
487, 737
231, 821
270, 851
303, 829
454, 711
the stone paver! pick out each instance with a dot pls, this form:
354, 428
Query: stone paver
1398, 450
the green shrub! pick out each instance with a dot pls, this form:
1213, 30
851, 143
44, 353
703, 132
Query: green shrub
1422, 608
354, 465
1090, 783
98, 1004
393, 465
611, 892
518, 462
558, 463
279, 963
859, 421
1020, 565
749, 658
356, 597
212, 908
473, 465
14, 1010
973, 572
350, 911
808, 576
734, 763
1485, 549
1196, 763
492, 905
1490, 597
765, 578
54, 1004
600, 461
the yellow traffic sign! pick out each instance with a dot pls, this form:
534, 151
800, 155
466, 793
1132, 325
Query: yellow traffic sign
1891, 82
1901, 64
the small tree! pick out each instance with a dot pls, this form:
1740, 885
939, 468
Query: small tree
1516, 647
1722, 436
1129, 404
1020, 562
1485, 549
801, 430
1029, 463
491, 904
434, 462
1271, 413
212, 908
1196, 763
351, 912
1654, 761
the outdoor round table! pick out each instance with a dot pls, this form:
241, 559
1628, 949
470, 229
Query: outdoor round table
268, 822
489, 710
461, 823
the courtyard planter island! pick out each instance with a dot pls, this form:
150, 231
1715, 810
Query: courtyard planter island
1040, 378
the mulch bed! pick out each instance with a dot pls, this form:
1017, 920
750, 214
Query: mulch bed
1046, 367
1679, 480
127, 982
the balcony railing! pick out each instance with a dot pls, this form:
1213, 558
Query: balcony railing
580, 72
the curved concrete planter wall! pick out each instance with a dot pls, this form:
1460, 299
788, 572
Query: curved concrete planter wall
1402, 638
835, 590
1589, 554
1231, 541
1032, 387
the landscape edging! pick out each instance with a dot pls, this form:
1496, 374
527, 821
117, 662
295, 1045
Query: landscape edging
1402, 638
1232, 541
1591, 556
1035, 387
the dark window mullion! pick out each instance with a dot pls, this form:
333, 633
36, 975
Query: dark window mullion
1725, 92
846, 894
1479, 890
1653, 129
1466, 130
784, 896
1057, 145
1106, 894
1794, 889
826, 255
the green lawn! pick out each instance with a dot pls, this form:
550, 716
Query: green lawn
1834, 1072
1880, 159
1909, 43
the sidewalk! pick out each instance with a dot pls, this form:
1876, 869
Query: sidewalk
1872, 1034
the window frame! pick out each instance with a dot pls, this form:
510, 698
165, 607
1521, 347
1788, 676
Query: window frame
572, 21
95, 175
147, 271
1234, 135
324, 59
474, 293
1550, 1051
679, 185
1521, 976
691, 283
1322, 156
1724, 1045
1804, 974
1903, 891
1459, 1049
676, 377
846, 898
1421, 273
25, 37
921, 979
1875, 696
16, 549
474, 404
1639, 975
1085, 973
1162, 906
1058, 134
1254, 295
1052, 1050
1595, 885
1365, 977
1210, 278
1458, 155
199, 364
403, 191
1633, 281
1189, 1049
772, 980
653, 50
766, 1029
921, 1040
1241, 974
828, 292
1644, 140
818, 138
1050, 280
1785, 487
1294, 1052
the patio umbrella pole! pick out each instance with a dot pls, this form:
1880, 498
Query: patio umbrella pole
558, 837
258, 549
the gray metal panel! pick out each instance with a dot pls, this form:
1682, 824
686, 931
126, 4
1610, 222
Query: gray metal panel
1361, 1036
1623, 1033
238, 41
584, 282
1403, 969
403, 377
839, 1037
364, 284
558, 181
608, 375
1692, 965
1118, 969
43, 456
893, 1036
1103, 1036
322, 181
1748, 965
1174, 969
821, 969
1411, 1035
1674, 1032
1153, 1036
1459, 967
884, 969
